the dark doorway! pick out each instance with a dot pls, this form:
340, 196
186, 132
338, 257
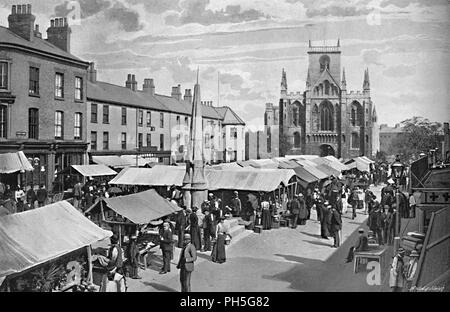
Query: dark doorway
326, 150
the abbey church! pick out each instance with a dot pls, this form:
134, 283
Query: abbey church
325, 119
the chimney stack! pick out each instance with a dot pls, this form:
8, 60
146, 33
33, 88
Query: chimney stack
148, 86
92, 73
58, 33
176, 92
133, 82
128, 81
21, 21
37, 33
188, 95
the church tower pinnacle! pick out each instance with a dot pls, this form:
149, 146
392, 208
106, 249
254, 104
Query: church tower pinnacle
343, 82
366, 83
283, 83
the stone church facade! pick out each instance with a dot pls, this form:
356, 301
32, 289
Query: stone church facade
325, 119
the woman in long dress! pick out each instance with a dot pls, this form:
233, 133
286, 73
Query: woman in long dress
196, 238
218, 253
266, 217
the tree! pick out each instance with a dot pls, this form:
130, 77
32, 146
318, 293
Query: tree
419, 135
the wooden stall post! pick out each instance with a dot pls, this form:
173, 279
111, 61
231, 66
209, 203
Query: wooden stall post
89, 257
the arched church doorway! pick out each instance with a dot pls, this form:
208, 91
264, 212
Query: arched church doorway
326, 150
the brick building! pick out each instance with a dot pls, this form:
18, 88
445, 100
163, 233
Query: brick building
123, 120
42, 96
387, 136
325, 119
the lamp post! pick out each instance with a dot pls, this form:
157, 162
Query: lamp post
398, 171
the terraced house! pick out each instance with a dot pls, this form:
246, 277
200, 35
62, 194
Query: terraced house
42, 96
123, 120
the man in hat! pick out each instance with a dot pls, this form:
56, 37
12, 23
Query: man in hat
396, 278
324, 213
335, 225
361, 245
236, 204
209, 230
375, 223
133, 254
411, 268
188, 256
180, 226
303, 213
165, 243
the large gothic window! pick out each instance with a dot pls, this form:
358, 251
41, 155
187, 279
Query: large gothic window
296, 139
295, 116
326, 116
324, 61
315, 118
356, 117
327, 87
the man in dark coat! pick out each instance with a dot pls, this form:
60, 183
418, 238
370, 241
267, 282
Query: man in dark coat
195, 229
361, 245
236, 205
295, 210
133, 254
324, 219
166, 246
180, 226
31, 197
303, 212
335, 225
188, 256
209, 230
375, 223
41, 195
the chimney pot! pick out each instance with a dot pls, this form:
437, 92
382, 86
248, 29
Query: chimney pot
19, 9
24, 9
52, 23
13, 11
28, 8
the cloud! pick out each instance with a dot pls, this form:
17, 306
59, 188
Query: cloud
127, 18
405, 3
194, 11
399, 71
157, 6
371, 56
341, 8
113, 11
87, 7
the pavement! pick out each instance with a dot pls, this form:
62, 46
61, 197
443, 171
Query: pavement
277, 260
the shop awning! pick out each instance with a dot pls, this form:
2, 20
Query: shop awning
367, 159
156, 176
131, 160
140, 208
36, 236
262, 180
94, 170
13, 162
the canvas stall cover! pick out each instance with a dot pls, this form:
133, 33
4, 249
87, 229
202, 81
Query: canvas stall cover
141, 208
36, 236
263, 180
94, 170
156, 176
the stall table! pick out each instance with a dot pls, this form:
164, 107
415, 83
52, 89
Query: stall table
375, 252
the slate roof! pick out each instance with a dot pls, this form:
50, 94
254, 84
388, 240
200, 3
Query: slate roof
39, 44
114, 94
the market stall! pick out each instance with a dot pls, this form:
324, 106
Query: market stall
128, 214
47, 249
